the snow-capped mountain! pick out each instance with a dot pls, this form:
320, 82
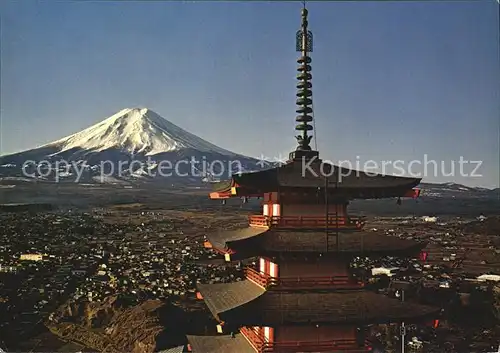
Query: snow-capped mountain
134, 143
136, 131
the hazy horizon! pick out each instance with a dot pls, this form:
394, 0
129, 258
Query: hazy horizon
391, 81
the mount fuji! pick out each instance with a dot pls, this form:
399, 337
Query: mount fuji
134, 143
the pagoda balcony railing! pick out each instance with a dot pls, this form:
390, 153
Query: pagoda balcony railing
262, 279
340, 345
297, 282
306, 221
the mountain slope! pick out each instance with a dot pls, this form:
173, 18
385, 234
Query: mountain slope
136, 131
131, 135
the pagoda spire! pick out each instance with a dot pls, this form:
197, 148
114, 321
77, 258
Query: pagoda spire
304, 45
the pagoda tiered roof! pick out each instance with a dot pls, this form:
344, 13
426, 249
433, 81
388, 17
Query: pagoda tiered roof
229, 296
248, 304
239, 344
302, 174
294, 223
255, 240
220, 344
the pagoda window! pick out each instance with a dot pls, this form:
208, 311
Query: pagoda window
269, 334
276, 210
273, 269
268, 267
262, 265
265, 209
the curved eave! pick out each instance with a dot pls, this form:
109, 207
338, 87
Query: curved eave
349, 193
251, 241
223, 186
230, 188
337, 308
246, 303
235, 192
381, 193
354, 187
297, 174
222, 298
220, 344
225, 240
178, 349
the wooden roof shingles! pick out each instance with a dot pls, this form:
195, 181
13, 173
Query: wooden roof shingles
272, 240
297, 174
223, 297
336, 307
220, 344
178, 349
249, 304
222, 239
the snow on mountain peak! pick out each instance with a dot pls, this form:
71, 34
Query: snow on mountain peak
136, 130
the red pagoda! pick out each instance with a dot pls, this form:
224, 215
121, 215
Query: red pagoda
301, 296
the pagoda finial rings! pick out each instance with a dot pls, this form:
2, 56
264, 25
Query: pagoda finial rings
303, 127
304, 101
304, 93
304, 118
304, 68
304, 76
304, 110
303, 59
304, 85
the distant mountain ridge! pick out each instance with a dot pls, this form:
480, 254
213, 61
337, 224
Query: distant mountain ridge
454, 190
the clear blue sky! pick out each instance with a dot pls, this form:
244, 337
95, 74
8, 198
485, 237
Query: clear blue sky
391, 80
